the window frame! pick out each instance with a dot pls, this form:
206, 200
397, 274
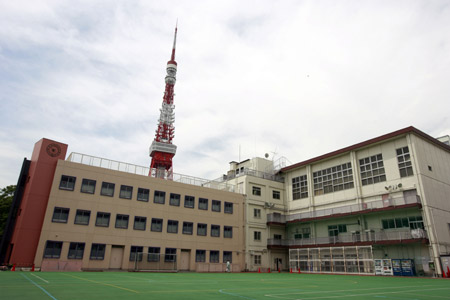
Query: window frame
200, 255
201, 226
216, 205
122, 218
228, 210
153, 254
169, 254
141, 193
276, 195
75, 253
103, 216
212, 256
82, 211
126, 189
139, 219
215, 230
189, 201
257, 236
135, 250
100, 249
66, 187
227, 256
171, 224
256, 191
175, 199
228, 232
160, 198
186, 226
85, 182
62, 210
55, 250
202, 203
106, 187
155, 222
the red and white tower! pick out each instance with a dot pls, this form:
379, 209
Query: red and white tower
162, 150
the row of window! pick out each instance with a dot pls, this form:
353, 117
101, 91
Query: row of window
256, 191
410, 222
76, 251
82, 217
159, 197
340, 177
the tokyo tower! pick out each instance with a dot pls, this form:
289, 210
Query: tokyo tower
162, 150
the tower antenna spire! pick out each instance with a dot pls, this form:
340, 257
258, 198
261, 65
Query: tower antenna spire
162, 150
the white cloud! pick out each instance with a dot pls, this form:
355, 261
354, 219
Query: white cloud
297, 77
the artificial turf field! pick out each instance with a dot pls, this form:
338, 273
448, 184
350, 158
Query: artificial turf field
273, 286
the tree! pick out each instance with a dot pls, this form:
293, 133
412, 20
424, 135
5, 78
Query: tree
6, 198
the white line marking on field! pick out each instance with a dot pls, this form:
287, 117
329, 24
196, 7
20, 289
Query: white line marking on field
337, 291
236, 295
42, 289
354, 295
40, 278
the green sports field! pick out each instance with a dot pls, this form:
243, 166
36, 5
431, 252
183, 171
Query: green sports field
273, 286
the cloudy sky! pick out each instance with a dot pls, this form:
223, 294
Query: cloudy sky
295, 78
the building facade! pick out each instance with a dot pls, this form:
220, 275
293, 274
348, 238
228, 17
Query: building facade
88, 213
385, 199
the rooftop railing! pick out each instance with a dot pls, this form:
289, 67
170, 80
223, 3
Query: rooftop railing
251, 172
144, 171
367, 236
345, 209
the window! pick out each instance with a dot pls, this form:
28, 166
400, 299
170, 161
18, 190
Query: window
334, 230
227, 256
227, 232
216, 205
404, 162
125, 191
276, 195
160, 197
102, 219
257, 213
213, 256
189, 201
277, 236
139, 223
153, 254
88, 186
200, 255
136, 253
67, 183
143, 194
333, 179
215, 230
188, 227
76, 251
228, 208
171, 255
60, 215
372, 169
305, 233
257, 259
156, 225
53, 249
122, 221
256, 191
257, 235
299, 187
107, 189
97, 252
174, 199
405, 222
202, 229
203, 203
172, 226
82, 217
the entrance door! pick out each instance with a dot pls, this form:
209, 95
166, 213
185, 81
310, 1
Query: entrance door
185, 259
115, 261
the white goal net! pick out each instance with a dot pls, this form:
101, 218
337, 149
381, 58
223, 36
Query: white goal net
155, 262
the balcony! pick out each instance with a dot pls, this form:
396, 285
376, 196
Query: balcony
346, 210
369, 237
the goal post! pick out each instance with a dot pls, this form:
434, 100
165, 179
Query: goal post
155, 262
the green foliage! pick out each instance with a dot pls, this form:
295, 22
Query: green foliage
6, 198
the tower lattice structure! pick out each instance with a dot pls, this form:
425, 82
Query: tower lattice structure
162, 150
